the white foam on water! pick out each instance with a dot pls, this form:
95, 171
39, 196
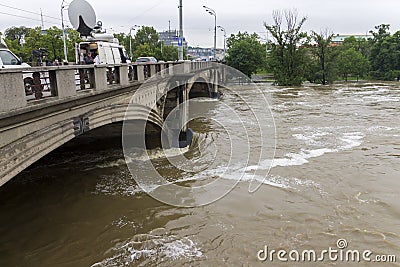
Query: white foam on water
298, 159
152, 248
381, 98
319, 142
112, 164
123, 222
351, 140
121, 185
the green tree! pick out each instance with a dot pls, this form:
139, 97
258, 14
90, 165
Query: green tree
123, 40
16, 33
143, 50
51, 40
74, 37
324, 55
351, 61
147, 35
245, 53
385, 56
169, 53
361, 45
287, 56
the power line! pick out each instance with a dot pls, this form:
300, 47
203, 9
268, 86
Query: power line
18, 16
31, 12
147, 10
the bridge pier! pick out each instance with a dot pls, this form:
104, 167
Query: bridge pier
186, 134
214, 93
176, 114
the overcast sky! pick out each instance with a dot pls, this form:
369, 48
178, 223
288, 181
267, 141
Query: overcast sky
339, 16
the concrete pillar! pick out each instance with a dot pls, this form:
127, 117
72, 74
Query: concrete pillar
214, 91
100, 77
162, 71
186, 134
123, 75
65, 80
187, 67
171, 69
140, 73
152, 70
12, 91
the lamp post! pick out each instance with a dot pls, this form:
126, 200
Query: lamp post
180, 41
63, 31
213, 13
223, 29
130, 39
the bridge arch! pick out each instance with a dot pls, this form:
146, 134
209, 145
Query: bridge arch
27, 150
199, 88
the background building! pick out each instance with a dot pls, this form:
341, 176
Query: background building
170, 38
339, 39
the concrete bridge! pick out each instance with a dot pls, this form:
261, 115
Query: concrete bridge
81, 98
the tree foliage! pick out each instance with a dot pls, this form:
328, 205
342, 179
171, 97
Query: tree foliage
146, 43
169, 53
34, 39
245, 53
351, 61
16, 33
385, 54
324, 55
286, 58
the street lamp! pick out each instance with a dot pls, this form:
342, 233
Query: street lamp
63, 30
213, 13
180, 40
223, 29
130, 39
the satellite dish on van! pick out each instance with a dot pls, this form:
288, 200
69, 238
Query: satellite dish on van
82, 17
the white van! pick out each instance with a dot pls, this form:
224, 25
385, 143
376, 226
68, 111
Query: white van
9, 60
108, 49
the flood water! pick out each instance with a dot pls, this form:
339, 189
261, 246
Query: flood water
336, 175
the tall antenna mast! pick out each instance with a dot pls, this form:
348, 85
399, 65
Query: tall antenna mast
41, 17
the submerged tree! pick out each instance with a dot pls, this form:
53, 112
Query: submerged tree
286, 57
385, 56
351, 61
325, 56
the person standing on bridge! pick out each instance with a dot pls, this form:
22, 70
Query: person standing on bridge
89, 58
97, 60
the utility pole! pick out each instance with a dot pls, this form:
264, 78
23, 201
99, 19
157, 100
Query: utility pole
63, 32
41, 18
180, 39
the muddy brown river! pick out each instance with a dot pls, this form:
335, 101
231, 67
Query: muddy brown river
335, 177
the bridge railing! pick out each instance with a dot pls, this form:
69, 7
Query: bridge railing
24, 87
